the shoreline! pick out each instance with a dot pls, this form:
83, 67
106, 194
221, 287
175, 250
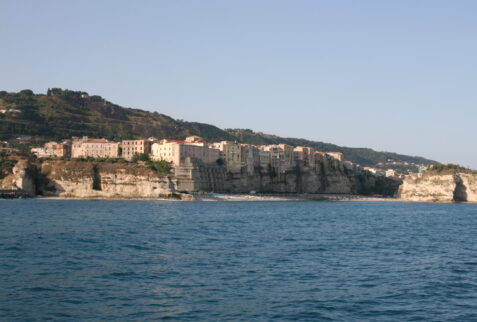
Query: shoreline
210, 197
287, 197
237, 197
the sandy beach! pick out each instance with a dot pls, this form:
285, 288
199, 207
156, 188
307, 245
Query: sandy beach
287, 197
242, 197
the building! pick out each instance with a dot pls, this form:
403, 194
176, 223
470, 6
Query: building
194, 139
281, 156
276, 155
230, 152
288, 161
176, 151
132, 147
264, 158
375, 171
350, 166
53, 149
59, 150
304, 154
249, 158
197, 176
324, 159
40, 153
23, 139
390, 173
337, 155
12, 110
94, 148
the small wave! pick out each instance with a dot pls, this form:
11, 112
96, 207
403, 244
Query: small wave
137, 247
42, 289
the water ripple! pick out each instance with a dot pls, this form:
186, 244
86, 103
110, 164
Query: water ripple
227, 261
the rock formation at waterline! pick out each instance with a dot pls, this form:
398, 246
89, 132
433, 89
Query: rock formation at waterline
21, 178
452, 185
78, 179
110, 180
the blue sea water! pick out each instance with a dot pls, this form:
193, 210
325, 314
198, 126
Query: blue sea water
237, 261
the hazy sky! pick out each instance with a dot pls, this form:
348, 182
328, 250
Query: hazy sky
395, 76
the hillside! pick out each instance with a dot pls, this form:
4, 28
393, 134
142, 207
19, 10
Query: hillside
64, 113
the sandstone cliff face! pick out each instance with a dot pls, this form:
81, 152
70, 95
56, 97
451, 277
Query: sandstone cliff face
330, 177
22, 178
79, 179
449, 186
76, 179
469, 181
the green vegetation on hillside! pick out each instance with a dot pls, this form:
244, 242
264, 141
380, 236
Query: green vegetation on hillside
63, 113
6, 167
450, 167
161, 167
363, 156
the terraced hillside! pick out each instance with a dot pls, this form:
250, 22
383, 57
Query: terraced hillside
64, 113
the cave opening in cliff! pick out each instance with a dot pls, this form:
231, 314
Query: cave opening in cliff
460, 191
96, 178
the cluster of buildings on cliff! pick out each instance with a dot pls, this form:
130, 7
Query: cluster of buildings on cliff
234, 156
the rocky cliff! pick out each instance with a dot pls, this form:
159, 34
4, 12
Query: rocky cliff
109, 180
76, 179
20, 178
440, 186
330, 176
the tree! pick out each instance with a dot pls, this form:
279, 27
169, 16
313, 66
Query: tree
162, 167
140, 157
26, 92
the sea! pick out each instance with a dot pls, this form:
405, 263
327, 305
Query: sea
75, 260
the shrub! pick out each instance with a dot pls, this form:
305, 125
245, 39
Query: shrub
144, 157
26, 92
162, 167
442, 167
6, 167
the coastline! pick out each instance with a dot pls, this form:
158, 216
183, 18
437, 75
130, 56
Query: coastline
206, 197
257, 198
286, 197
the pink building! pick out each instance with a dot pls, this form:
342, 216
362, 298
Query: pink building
53, 149
177, 151
133, 147
94, 148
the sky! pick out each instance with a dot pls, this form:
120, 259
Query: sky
397, 76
